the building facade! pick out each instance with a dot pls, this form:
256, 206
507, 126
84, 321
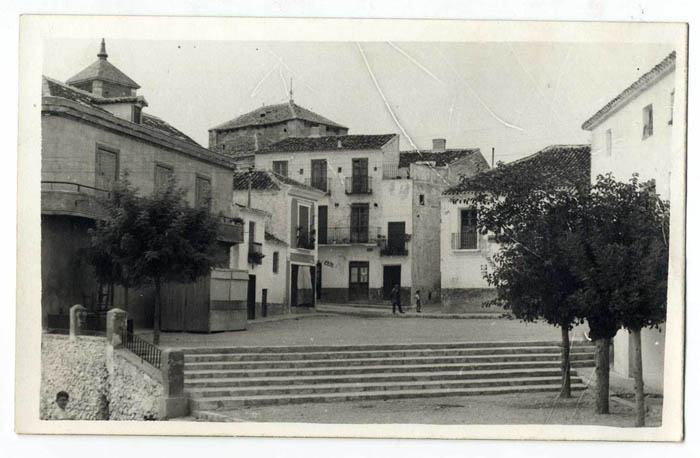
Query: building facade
633, 133
93, 131
465, 254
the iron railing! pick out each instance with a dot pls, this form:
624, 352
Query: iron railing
73, 187
229, 229
305, 239
358, 184
391, 247
465, 240
320, 183
255, 254
350, 235
141, 348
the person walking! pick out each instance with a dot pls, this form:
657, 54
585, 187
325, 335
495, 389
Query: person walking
417, 300
396, 299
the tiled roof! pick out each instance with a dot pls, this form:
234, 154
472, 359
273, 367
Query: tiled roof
646, 80
263, 180
55, 88
560, 165
330, 143
445, 158
125, 99
273, 114
271, 238
103, 70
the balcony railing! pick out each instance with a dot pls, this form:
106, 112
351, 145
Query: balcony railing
229, 230
69, 198
255, 254
69, 186
350, 235
465, 240
322, 184
392, 247
359, 184
305, 239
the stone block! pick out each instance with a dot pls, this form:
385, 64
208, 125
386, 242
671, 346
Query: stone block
78, 318
172, 367
173, 407
116, 325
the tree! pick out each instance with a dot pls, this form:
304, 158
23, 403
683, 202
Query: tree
621, 256
532, 274
152, 239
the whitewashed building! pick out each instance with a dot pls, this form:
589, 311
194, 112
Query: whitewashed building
633, 133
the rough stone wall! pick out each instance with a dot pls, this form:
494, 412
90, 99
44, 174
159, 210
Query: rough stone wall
102, 384
77, 367
468, 300
134, 394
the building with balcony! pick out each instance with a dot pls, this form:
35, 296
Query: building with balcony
378, 214
635, 132
281, 249
465, 254
94, 128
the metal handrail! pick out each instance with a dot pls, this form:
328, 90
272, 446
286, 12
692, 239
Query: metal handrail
350, 235
78, 186
465, 240
358, 184
141, 348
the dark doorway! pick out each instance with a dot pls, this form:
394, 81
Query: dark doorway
318, 281
293, 281
392, 276
358, 285
251, 297
322, 224
396, 238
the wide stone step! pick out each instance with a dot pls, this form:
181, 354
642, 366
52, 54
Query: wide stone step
195, 384
230, 402
366, 347
296, 356
375, 369
223, 365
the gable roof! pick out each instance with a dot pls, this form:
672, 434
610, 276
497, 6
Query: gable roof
661, 69
264, 180
273, 114
329, 143
103, 70
55, 88
561, 165
442, 159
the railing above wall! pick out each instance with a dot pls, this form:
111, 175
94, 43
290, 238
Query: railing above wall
351, 235
142, 348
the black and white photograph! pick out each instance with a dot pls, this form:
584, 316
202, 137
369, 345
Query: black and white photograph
459, 230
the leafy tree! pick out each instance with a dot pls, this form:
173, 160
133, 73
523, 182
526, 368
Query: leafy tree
621, 256
532, 274
152, 239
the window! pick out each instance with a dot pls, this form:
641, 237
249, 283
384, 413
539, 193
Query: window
466, 238
304, 225
319, 179
648, 119
340, 169
670, 107
280, 167
163, 174
360, 178
275, 262
136, 114
359, 223
301, 171
202, 192
421, 199
608, 142
251, 232
106, 168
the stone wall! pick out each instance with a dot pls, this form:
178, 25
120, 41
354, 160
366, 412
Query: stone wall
468, 300
134, 393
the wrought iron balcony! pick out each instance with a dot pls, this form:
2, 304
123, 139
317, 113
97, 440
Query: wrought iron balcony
465, 240
393, 247
255, 254
229, 230
306, 239
359, 184
350, 235
322, 184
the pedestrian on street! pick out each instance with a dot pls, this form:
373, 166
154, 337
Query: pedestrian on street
418, 300
396, 299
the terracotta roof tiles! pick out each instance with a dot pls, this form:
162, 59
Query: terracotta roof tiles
330, 143
273, 114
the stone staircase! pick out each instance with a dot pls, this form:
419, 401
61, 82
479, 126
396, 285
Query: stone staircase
229, 378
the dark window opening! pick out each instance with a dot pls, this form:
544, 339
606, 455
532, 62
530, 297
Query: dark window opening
421, 199
466, 238
648, 119
163, 174
275, 262
280, 167
202, 193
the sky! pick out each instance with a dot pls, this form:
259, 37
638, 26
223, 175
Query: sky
516, 98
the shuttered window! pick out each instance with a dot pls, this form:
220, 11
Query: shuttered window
202, 194
106, 168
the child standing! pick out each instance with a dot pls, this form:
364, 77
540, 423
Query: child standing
418, 300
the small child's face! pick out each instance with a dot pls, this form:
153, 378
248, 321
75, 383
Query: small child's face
62, 402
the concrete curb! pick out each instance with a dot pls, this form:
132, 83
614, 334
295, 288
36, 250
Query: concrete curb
357, 311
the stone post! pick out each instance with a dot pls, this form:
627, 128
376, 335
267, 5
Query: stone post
174, 402
116, 325
78, 317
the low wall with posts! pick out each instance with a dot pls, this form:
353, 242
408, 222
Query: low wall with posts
112, 377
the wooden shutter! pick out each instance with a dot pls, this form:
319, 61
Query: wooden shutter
293, 223
106, 169
323, 224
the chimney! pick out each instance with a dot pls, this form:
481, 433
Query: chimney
439, 145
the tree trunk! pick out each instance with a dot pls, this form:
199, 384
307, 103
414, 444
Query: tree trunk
638, 376
602, 372
156, 314
565, 364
